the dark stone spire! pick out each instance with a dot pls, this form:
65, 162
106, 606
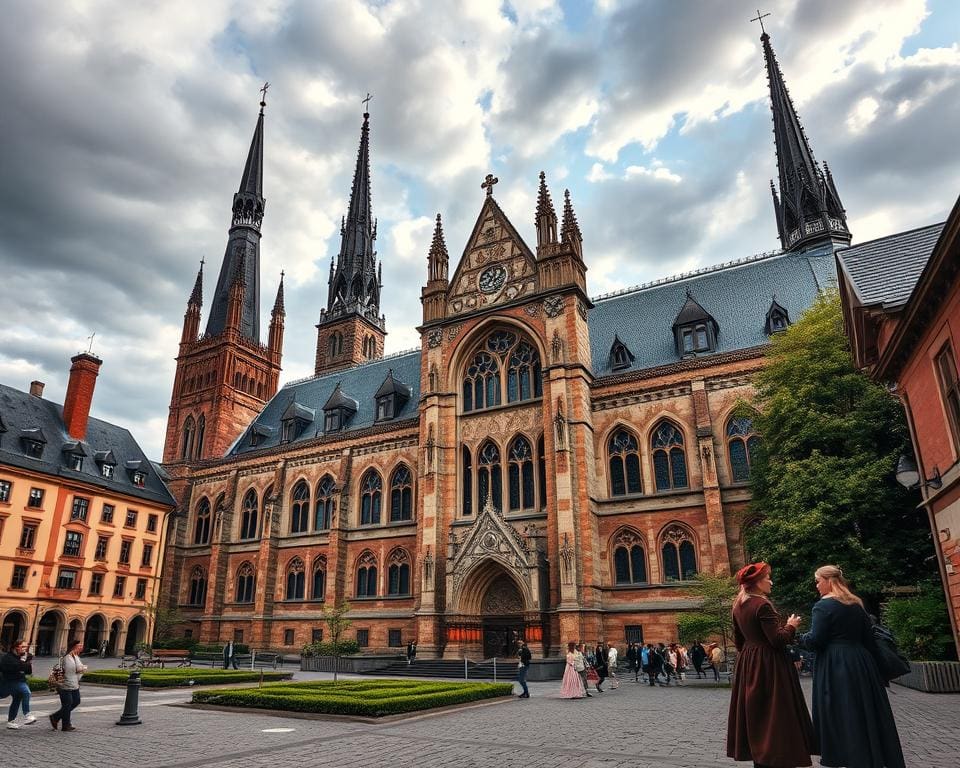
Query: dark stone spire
808, 208
243, 245
438, 260
278, 307
196, 297
354, 283
570, 230
546, 220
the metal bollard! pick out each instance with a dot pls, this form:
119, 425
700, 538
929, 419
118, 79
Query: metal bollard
466, 674
494, 669
131, 703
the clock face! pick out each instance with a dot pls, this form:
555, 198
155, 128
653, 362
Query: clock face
492, 279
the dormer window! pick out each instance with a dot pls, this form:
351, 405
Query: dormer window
294, 420
33, 441
106, 462
777, 318
391, 397
338, 410
74, 454
695, 339
106, 470
620, 355
76, 462
33, 449
289, 430
139, 479
385, 407
332, 421
137, 472
694, 330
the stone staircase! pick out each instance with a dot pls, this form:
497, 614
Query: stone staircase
451, 669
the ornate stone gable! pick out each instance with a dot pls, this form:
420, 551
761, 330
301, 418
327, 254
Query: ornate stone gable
496, 266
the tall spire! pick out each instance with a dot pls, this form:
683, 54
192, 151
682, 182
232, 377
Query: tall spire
243, 244
278, 307
438, 261
196, 296
808, 209
354, 285
546, 215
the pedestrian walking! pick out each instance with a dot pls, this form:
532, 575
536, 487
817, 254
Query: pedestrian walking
715, 657
600, 665
697, 656
411, 652
15, 665
853, 724
633, 661
572, 686
656, 664
103, 649
612, 655
523, 666
229, 658
69, 689
768, 720
580, 665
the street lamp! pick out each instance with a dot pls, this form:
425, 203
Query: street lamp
909, 476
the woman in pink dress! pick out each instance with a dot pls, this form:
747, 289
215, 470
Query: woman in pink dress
572, 687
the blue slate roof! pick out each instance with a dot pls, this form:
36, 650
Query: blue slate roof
885, 271
22, 414
737, 295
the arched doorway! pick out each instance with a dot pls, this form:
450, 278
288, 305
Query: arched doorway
47, 633
502, 611
136, 633
75, 632
114, 639
93, 635
12, 630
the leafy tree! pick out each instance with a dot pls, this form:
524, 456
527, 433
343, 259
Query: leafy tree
713, 617
920, 624
823, 480
335, 617
165, 619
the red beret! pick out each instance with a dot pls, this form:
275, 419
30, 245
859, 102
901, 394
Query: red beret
751, 573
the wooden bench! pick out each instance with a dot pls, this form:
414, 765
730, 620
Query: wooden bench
164, 656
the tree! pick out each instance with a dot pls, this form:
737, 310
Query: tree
335, 617
713, 616
165, 619
823, 479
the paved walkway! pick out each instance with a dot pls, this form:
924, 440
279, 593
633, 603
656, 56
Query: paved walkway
635, 726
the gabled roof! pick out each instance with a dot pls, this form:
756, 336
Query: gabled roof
74, 447
691, 312
338, 399
392, 386
35, 418
105, 457
884, 271
297, 410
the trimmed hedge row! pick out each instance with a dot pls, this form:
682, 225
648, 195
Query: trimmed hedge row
375, 698
166, 678
37, 684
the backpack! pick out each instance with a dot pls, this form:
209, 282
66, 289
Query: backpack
891, 662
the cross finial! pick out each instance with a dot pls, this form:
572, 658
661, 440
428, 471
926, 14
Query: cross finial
263, 95
90, 345
366, 104
202, 262
760, 17
488, 183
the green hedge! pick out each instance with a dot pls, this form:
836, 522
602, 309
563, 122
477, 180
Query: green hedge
165, 678
238, 648
175, 643
38, 684
346, 648
369, 698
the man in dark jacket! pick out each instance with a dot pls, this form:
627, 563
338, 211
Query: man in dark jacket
229, 656
15, 665
697, 656
523, 667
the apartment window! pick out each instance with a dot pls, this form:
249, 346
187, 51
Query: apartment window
5, 486
76, 462
73, 544
139, 479
119, 586
363, 638
151, 523
141, 591
316, 636
96, 584
80, 508
106, 514
67, 579
394, 638
147, 560
125, 547
106, 470
131, 518
238, 635
28, 537
288, 637
100, 553
35, 499
950, 390
19, 580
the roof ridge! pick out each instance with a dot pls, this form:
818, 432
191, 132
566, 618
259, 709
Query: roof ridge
391, 356
687, 275
940, 224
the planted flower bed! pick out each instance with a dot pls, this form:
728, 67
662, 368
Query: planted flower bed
365, 698
167, 678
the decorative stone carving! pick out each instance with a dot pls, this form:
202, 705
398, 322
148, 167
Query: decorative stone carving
502, 598
429, 449
433, 378
553, 305
428, 569
560, 427
532, 309
453, 330
706, 453
582, 309
479, 427
627, 538
567, 565
675, 535
435, 338
557, 347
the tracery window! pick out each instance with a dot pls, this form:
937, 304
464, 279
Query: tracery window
521, 475
624, 460
398, 573
323, 507
467, 482
678, 554
371, 491
300, 507
629, 560
669, 458
542, 472
367, 575
201, 525
198, 587
503, 361
295, 580
250, 516
742, 444
201, 428
186, 449
489, 476
318, 585
246, 582
401, 494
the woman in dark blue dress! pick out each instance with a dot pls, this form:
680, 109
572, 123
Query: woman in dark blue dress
852, 721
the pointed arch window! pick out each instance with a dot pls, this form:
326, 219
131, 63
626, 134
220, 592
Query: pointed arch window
678, 554
300, 507
466, 482
542, 472
398, 573
401, 494
481, 387
371, 492
669, 458
201, 429
489, 476
323, 507
629, 559
624, 460
335, 344
201, 525
504, 360
198, 587
524, 380
186, 447
318, 584
367, 575
521, 475
295, 580
742, 444
250, 516
246, 583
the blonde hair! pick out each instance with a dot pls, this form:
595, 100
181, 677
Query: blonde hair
839, 588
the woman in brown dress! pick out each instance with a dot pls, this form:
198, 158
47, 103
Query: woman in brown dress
768, 721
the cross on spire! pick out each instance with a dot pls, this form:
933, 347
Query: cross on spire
760, 17
263, 93
366, 103
488, 183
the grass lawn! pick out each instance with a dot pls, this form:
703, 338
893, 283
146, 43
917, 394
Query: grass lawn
166, 678
367, 698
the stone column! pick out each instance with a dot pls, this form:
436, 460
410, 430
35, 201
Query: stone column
716, 525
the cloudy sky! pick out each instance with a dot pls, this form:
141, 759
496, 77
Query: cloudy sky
124, 126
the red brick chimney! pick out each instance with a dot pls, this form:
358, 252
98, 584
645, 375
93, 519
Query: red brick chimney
36, 388
76, 405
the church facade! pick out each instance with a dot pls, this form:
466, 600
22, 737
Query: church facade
546, 465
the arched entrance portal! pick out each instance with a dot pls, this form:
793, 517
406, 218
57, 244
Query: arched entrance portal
136, 633
13, 624
48, 632
502, 617
93, 635
112, 642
